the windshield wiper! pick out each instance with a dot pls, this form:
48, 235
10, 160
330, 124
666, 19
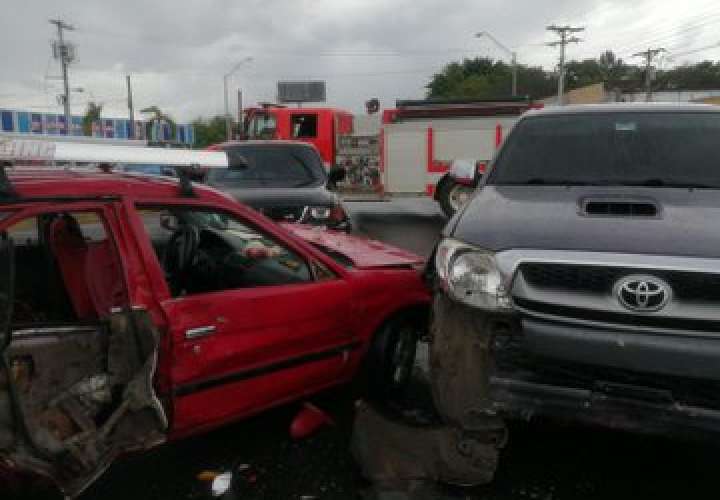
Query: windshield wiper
542, 181
304, 183
658, 182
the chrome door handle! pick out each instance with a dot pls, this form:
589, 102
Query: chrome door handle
201, 331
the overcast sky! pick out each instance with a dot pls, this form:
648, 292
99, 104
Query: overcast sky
178, 50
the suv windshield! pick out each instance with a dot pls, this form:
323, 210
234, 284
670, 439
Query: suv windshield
272, 165
670, 149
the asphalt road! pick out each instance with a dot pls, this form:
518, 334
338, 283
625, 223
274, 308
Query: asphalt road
541, 462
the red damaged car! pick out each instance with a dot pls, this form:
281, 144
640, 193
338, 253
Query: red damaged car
133, 312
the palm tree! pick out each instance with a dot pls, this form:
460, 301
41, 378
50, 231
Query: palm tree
158, 117
92, 115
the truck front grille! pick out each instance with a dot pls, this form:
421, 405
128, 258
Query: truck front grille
690, 286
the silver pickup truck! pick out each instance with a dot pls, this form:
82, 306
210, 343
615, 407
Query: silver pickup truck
582, 281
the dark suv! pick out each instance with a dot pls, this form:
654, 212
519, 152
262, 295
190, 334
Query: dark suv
582, 281
285, 180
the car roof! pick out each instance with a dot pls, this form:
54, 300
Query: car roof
266, 142
623, 107
33, 182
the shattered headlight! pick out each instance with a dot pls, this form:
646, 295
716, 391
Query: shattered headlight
470, 275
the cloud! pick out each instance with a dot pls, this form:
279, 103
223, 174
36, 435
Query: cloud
178, 50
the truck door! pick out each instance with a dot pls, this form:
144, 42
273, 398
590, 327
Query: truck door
76, 362
252, 323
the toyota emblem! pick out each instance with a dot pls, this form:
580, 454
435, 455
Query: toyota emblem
643, 293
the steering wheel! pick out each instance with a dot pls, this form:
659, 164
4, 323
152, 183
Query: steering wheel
180, 253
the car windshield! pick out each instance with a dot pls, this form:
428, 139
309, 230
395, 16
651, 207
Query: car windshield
150, 169
272, 165
660, 149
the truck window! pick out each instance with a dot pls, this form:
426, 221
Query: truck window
304, 126
203, 251
262, 126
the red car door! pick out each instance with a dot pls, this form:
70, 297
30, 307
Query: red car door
253, 323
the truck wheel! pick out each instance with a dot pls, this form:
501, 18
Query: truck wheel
453, 196
391, 358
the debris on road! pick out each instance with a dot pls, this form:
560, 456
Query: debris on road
221, 484
308, 421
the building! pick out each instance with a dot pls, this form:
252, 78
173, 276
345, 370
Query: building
597, 94
31, 122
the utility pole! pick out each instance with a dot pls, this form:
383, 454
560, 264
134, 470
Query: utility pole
240, 106
130, 108
566, 36
226, 76
649, 55
66, 53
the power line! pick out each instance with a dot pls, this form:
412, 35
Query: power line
669, 36
566, 37
674, 55
628, 38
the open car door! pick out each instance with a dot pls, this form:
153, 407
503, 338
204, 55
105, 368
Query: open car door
73, 397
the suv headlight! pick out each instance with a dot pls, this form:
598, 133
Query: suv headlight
470, 275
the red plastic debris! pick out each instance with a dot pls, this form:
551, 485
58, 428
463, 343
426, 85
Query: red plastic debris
308, 421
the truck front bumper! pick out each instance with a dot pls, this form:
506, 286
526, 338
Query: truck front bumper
524, 400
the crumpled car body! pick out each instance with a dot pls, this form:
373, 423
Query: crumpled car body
132, 315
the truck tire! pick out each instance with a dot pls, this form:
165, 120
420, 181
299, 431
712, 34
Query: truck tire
391, 358
452, 196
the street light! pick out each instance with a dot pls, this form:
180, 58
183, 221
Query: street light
513, 57
228, 118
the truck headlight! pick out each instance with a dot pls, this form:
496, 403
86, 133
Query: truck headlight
334, 217
320, 213
470, 275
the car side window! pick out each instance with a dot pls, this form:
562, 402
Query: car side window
66, 267
202, 251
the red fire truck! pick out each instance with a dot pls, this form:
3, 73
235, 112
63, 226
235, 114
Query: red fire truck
406, 150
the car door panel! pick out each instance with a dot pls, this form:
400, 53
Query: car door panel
266, 345
80, 393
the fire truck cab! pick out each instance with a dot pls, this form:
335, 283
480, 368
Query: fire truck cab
317, 126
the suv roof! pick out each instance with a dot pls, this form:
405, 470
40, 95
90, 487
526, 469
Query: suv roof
31, 182
623, 107
264, 142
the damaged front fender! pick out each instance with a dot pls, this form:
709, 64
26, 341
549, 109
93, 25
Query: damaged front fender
461, 364
79, 397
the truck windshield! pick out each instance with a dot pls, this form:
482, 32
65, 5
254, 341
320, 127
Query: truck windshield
271, 165
661, 149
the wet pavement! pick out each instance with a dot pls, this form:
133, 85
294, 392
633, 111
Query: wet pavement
541, 462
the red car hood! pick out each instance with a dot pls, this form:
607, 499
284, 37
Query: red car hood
363, 252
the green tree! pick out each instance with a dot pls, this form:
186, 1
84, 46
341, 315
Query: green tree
209, 131
157, 116
701, 76
92, 115
485, 78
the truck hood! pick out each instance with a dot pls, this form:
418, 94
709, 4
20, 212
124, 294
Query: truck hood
364, 253
281, 197
550, 217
